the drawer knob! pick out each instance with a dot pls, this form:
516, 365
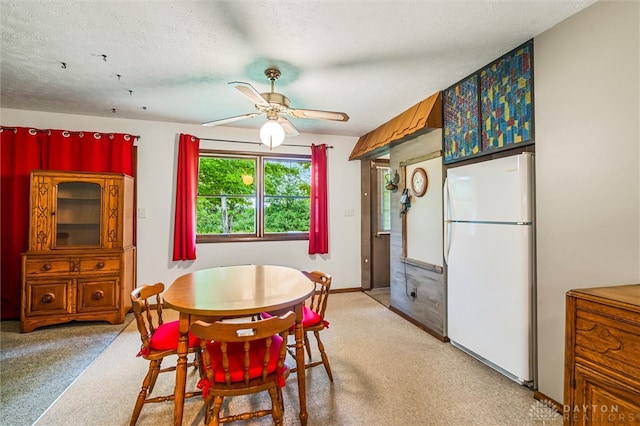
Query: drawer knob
46, 267
98, 295
100, 265
48, 298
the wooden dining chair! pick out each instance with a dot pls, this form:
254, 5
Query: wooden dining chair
242, 359
159, 340
314, 319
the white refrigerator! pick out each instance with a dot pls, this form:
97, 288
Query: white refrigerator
489, 250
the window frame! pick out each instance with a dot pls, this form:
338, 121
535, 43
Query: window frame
259, 235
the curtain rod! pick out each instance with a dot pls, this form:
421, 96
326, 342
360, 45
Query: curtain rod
69, 131
254, 143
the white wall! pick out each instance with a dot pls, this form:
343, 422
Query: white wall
587, 164
424, 233
157, 150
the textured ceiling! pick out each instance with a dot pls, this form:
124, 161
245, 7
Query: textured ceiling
172, 60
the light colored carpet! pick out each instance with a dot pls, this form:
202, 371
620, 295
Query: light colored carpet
386, 370
381, 295
36, 367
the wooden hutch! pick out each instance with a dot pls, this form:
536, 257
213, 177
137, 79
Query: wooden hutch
80, 264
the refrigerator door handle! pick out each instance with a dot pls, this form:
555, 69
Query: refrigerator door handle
447, 225
447, 242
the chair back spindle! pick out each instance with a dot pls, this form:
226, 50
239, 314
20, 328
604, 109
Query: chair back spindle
322, 281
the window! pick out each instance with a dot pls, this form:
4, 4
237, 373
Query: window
248, 197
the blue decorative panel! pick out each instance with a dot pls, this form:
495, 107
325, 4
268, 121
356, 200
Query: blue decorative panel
492, 109
506, 100
461, 125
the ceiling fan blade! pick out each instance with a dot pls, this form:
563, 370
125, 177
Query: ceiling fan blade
250, 92
231, 119
288, 127
319, 115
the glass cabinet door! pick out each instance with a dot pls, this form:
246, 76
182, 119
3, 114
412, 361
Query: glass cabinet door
77, 216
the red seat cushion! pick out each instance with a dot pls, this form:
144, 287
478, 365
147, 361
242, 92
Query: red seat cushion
235, 351
166, 337
309, 317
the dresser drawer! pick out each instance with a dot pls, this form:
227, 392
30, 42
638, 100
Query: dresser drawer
601, 400
98, 264
45, 297
98, 294
42, 266
608, 337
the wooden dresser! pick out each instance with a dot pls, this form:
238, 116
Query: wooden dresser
602, 356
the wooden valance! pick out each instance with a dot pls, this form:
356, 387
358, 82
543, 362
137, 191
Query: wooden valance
420, 117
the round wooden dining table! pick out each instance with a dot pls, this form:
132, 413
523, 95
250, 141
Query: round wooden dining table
237, 291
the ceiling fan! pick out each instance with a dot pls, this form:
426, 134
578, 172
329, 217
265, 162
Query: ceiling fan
275, 105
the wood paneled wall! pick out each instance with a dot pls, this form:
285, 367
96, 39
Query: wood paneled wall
427, 308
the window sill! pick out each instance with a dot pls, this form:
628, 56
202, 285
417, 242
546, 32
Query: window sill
205, 239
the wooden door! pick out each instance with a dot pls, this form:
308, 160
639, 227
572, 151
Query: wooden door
375, 204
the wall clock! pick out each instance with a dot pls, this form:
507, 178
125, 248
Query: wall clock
419, 182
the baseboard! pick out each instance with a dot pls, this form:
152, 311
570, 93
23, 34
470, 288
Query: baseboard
345, 290
419, 325
548, 401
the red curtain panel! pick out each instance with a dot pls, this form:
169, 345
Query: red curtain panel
89, 152
20, 153
25, 149
184, 233
319, 218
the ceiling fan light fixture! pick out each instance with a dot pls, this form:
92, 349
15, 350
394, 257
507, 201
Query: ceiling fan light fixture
272, 134
275, 105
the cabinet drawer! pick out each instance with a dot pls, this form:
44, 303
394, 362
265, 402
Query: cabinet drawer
92, 265
47, 266
98, 294
46, 297
601, 400
608, 337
